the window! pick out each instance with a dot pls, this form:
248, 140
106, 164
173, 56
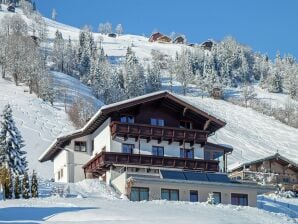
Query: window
217, 197
128, 148
187, 153
80, 147
127, 119
61, 173
217, 155
157, 122
239, 199
139, 194
157, 150
170, 194
186, 124
193, 196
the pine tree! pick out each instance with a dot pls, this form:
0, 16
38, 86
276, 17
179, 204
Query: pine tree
59, 51
275, 83
11, 144
17, 187
34, 185
134, 75
25, 186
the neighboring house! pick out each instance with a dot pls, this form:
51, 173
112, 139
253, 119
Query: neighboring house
179, 40
155, 36
113, 35
272, 170
150, 147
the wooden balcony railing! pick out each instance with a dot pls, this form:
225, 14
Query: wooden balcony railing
159, 133
102, 161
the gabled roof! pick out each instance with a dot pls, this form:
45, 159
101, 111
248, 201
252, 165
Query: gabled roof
105, 112
283, 160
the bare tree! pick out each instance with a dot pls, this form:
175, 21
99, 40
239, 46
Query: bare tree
248, 93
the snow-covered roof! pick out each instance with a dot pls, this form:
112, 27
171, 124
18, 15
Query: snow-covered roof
105, 110
275, 156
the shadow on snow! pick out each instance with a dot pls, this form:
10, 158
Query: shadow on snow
27, 214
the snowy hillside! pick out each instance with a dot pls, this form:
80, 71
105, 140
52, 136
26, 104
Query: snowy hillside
115, 47
39, 122
253, 135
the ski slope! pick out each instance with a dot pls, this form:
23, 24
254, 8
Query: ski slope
252, 135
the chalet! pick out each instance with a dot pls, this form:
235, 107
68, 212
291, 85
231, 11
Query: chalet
179, 40
207, 45
113, 35
164, 39
273, 170
151, 147
154, 36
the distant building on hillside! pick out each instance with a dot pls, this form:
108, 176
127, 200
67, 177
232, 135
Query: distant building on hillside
274, 170
207, 45
179, 40
11, 7
155, 36
217, 93
113, 35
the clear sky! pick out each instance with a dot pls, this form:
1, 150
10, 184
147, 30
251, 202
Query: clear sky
267, 26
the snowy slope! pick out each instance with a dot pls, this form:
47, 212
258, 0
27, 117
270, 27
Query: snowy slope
115, 47
38, 122
253, 135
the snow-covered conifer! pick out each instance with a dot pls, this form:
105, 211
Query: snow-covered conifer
11, 144
25, 186
34, 185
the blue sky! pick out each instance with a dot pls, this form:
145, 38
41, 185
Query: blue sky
267, 26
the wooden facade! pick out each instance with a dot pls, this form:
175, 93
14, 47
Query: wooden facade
150, 132
273, 170
101, 162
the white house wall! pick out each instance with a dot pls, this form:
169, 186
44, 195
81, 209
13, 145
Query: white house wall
102, 138
60, 163
171, 150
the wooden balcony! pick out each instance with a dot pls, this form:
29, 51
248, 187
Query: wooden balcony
159, 133
104, 160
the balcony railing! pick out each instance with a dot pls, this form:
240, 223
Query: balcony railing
159, 133
102, 161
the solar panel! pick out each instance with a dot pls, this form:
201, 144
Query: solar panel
196, 176
215, 177
176, 175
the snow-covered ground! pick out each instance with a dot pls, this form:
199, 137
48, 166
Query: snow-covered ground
115, 47
100, 205
39, 122
252, 135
